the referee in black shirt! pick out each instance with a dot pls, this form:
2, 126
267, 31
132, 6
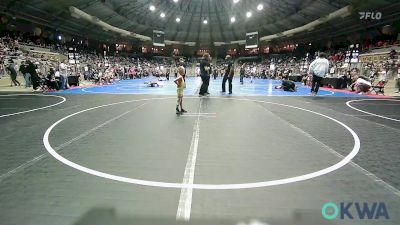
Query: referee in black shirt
205, 72
229, 71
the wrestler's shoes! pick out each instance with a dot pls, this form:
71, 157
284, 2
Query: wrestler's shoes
180, 112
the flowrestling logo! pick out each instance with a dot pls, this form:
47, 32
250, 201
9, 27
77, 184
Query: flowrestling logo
355, 210
370, 15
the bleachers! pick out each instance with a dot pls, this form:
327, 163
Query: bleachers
28, 47
390, 88
385, 49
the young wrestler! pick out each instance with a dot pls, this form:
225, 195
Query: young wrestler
180, 83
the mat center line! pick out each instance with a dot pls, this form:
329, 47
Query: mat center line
185, 199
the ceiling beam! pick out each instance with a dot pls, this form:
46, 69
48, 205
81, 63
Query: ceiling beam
189, 27
219, 19
200, 22
210, 25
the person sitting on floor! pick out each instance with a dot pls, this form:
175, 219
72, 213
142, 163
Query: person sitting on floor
51, 81
287, 85
154, 84
107, 76
361, 85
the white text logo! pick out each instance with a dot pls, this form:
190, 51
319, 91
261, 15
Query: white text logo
370, 15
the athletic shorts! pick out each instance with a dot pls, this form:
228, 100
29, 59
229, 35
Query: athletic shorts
179, 91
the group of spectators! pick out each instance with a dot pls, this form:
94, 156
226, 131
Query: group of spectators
369, 45
348, 76
106, 69
38, 72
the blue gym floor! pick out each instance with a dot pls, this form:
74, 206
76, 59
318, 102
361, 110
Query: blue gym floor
259, 87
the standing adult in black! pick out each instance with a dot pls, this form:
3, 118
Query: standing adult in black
13, 73
167, 73
205, 71
215, 73
31, 69
229, 72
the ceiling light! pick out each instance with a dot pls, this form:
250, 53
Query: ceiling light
260, 7
162, 15
235, 1
248, 14
175, 0
152, 8
205, 21
233, 19
178, 19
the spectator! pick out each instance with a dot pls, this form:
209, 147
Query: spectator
362, 85
13, 73
382, 74
64, 73
51, 81
27, 76
31, 69
242, 73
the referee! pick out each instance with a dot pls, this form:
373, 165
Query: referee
229, 71
205, 72
318, 69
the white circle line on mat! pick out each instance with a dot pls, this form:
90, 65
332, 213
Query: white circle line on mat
347, 159
35, 109
369, 113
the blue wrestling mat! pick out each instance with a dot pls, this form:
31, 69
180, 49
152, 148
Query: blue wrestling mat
259, 87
